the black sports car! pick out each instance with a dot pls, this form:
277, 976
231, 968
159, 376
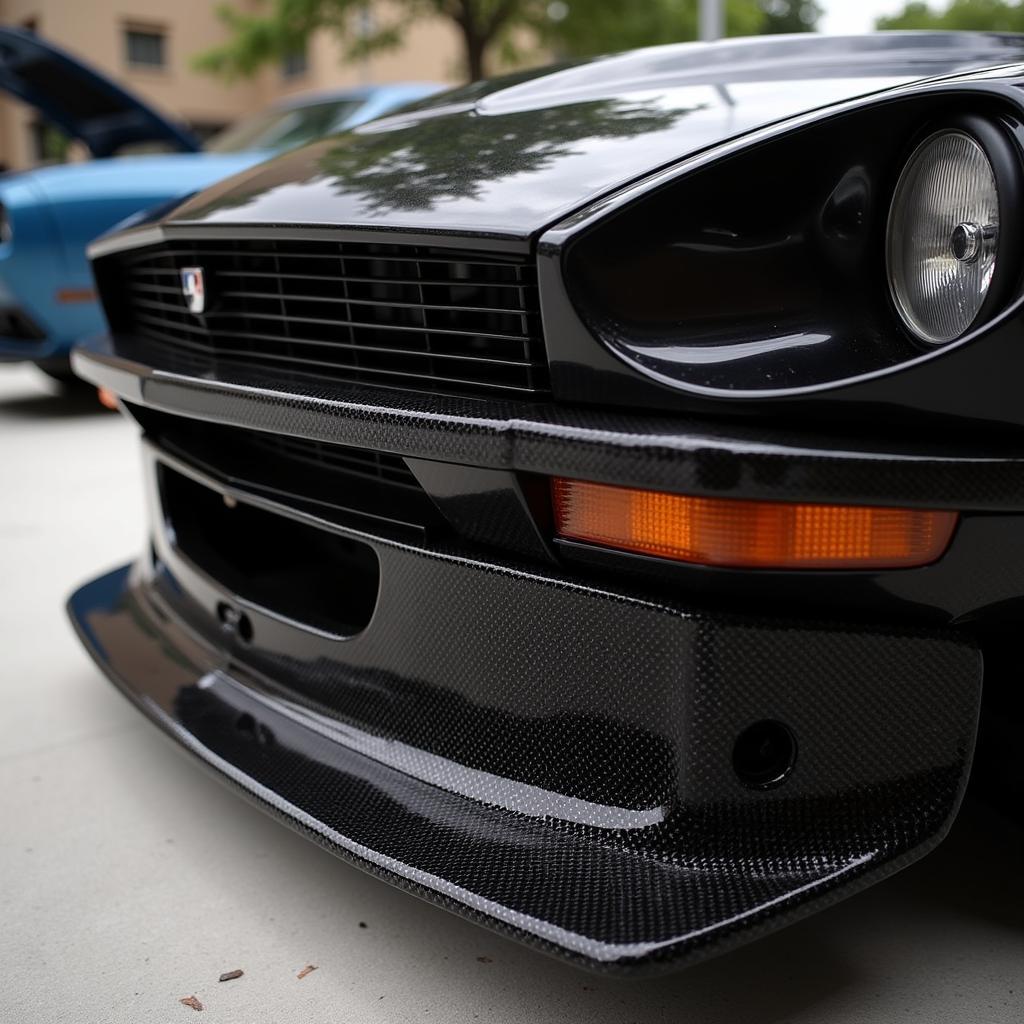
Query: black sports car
584, 498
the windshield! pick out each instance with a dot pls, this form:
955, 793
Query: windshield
283, 129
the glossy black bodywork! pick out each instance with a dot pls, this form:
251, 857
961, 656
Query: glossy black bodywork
535, 148
823, 362
550, 737
729, 289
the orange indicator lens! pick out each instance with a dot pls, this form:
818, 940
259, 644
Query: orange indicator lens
73, 295
749, 534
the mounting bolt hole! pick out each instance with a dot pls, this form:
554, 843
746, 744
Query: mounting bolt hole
235, 621
248, 726
245, 723
245, 628
764, 754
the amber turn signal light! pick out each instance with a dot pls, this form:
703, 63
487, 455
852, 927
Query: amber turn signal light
68, 296
749, 534
107, 398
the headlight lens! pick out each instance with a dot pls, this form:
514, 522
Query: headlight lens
943, 236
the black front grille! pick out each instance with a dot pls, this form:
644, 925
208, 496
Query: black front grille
415, 317
362, 488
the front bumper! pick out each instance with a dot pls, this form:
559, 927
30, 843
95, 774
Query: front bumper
547, 756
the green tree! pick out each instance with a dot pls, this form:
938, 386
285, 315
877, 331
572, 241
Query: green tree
572, 27
602, 26
589, 27
790, 15
284, 26
986, 15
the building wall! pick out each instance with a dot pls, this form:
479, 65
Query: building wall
94, 30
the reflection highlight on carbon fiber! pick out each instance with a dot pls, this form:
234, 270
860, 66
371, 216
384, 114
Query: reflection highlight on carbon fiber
725, 865
498, 791
602, 952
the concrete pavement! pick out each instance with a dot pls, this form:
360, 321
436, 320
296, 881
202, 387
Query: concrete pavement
129, 879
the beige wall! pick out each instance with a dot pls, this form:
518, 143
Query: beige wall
94, 30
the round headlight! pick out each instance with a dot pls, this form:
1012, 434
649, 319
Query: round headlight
944, 241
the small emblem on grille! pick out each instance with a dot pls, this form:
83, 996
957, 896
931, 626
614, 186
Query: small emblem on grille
193, 288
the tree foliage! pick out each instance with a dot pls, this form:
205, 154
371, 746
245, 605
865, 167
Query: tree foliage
570, 27
985, 15
603, 26
790, 15
392, 172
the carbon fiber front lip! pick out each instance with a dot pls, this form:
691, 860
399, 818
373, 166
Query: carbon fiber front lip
650, 893
666, 453
544, 755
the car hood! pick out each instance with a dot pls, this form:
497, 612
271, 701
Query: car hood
86, 104
513, 155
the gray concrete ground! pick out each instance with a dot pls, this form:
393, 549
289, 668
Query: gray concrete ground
129, 879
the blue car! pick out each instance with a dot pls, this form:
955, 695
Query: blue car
47, 216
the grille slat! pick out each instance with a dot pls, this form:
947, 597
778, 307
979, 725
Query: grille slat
271, 361
410, 316
364, 280
200, 346
364, 302
330, 322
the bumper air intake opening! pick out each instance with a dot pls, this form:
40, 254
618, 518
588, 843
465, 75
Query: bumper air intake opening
300, 572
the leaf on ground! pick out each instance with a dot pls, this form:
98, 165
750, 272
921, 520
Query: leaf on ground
308, 969
230, 975
191, 1001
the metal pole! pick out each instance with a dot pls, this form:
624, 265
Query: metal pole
711, 26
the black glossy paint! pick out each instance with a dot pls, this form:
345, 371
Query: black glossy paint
829, 351
491, 506
844, 357
513, 156
744, 276
548, 737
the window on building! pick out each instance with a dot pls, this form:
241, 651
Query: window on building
295, 64
205, 130
145, 47
47, 143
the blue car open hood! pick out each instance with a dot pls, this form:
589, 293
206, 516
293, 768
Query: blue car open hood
77, 98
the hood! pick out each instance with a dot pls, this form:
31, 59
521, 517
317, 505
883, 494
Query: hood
84, 103
513, 155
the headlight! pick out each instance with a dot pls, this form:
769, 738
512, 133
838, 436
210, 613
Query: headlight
830, 253
944, 245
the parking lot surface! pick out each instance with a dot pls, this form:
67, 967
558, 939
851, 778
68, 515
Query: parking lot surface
130, 880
